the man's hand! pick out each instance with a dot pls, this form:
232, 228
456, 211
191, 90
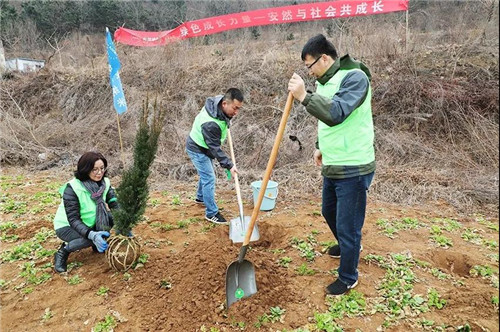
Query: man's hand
233, 171
318, 158
297, 87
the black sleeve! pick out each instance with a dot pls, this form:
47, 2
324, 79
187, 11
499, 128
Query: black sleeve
72, 208
111, 199
212, 135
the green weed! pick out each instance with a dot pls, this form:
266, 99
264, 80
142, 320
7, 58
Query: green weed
391, 227
480, 219
481, 270
34, 275
494, 301
351, 304
325, 322
27, 290
7, 226
396, 288
176, 200
442, 241
154, 202
103, 290
275, 314
182, 224
143, 258
434, 299
165, 284
327, 245
10, 205
449, 224
47, 315
74, 280
107, 325
284, 261
464, 328
25, 250
165, 227
303, 270
439, 274
74, 265
493, 257
436, 230
491, 244
306, 249
471, 235
203, 328
207, 227
46, 198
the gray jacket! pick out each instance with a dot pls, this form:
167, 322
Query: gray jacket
212, 133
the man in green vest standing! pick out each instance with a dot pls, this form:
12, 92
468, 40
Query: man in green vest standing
204, 142
344, 149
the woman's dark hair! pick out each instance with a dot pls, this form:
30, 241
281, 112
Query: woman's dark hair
318, 45
86, 164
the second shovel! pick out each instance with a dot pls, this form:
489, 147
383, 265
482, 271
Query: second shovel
238, 226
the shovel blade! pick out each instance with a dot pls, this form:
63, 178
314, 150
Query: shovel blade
240, 281
238, 230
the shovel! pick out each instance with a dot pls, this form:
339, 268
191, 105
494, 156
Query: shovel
238, 226
240, 274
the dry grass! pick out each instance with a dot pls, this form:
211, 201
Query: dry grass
435, 107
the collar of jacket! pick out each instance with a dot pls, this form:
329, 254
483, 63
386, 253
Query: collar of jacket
345, 62
213, 106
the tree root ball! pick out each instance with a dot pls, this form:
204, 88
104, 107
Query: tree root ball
122, 252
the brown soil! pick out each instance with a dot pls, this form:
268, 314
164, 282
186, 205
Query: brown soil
194, 261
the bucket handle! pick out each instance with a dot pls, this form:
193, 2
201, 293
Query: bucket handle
271, 197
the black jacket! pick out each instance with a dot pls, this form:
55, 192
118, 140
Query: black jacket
72, 208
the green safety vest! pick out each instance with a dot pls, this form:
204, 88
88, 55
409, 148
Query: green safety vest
203, 117
349, 143
88, 207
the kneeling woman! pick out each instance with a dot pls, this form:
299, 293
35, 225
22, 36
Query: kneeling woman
83, 218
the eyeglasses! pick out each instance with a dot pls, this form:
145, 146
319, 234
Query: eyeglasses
98, 170
312, 64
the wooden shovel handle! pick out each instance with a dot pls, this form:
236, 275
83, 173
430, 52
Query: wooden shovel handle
236, 180
269, 168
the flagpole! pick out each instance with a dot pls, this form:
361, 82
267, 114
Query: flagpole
118, 97
407, 30
121, 141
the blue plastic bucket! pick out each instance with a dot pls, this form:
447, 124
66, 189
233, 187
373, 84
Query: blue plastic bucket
270, 195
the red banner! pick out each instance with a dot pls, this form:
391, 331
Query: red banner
276, 15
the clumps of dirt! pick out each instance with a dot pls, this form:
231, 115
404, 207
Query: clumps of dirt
196, 276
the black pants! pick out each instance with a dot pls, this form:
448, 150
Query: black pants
73, 239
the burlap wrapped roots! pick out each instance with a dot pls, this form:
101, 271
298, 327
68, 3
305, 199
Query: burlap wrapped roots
122, 252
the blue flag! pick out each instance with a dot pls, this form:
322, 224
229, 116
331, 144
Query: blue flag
114, 76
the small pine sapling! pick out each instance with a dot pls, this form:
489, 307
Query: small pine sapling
133, 191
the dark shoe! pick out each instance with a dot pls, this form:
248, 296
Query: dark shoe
199, 201
217, 219
335, 251
339, 288
61, 259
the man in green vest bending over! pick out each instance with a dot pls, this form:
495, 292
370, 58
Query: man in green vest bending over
204, 142
344, 149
